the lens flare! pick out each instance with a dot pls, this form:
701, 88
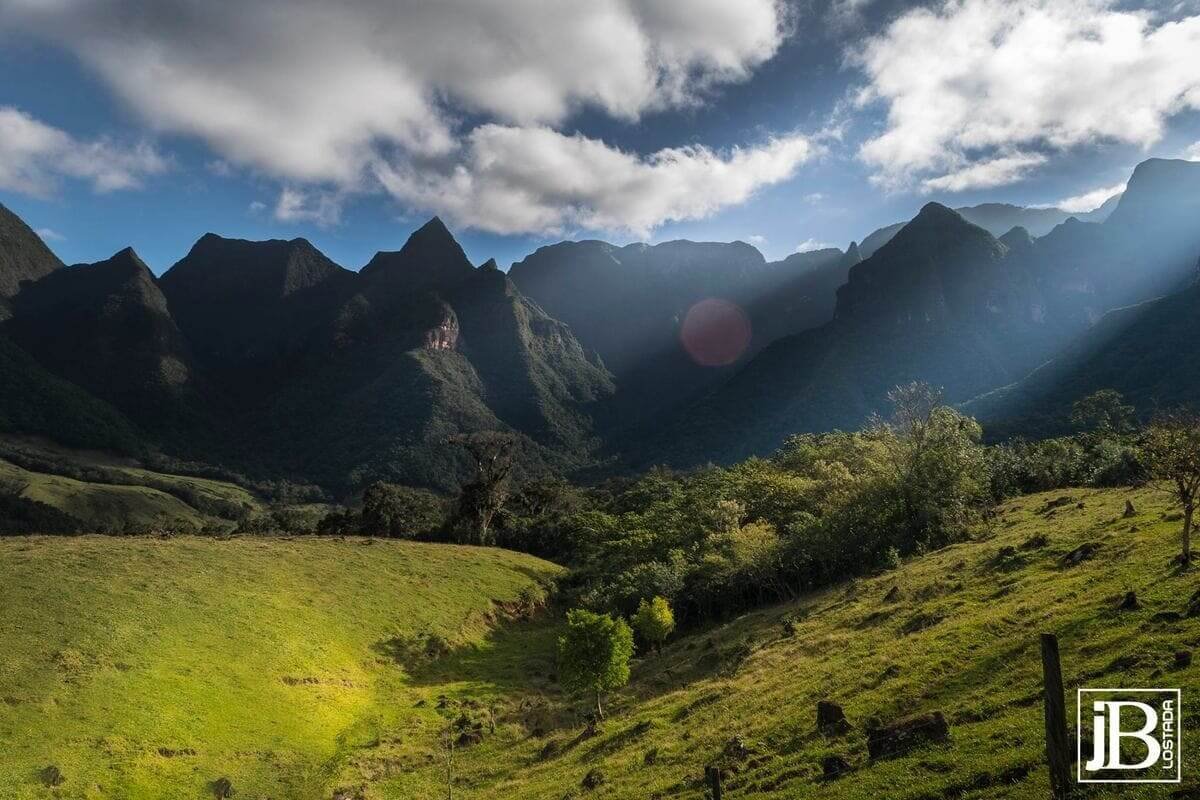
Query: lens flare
715, 332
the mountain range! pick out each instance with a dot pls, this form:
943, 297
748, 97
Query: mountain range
270, 359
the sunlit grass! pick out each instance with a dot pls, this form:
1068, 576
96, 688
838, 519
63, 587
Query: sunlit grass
264, 657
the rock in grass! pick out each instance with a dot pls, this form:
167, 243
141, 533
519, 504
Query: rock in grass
906, 734
1130, 603
1035, 542
1193, 606
593, 780
222, 788
893, 595
736, 749
1129, 509
51, 775
1080, 554
830, 718
1183, 659
834, 767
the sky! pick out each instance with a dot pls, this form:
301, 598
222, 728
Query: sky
789, 124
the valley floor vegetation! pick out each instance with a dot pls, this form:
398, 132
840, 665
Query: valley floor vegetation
423, 663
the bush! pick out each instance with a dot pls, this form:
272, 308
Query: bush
654, 621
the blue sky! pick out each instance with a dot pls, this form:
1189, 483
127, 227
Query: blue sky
785, 125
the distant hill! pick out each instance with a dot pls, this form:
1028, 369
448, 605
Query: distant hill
999, 218
426, 345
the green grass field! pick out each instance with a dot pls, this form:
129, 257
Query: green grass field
145, 501
149, 668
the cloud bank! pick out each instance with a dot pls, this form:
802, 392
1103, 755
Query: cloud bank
514, 179
330, 97
978, 92
35, 157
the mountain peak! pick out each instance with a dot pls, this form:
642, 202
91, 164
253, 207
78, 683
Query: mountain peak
128, 260
1017, 238
937, 213
23, 254
490, 264
431, 258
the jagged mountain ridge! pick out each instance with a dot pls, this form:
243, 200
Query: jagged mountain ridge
945, 302
999, 218
270, 358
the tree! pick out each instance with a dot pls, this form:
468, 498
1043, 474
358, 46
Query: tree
401, 511
1172, 449
654, 621
934, 463
594, 653
482, 498
1104, 412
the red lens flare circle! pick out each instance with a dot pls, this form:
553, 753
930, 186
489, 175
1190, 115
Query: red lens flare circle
715, 332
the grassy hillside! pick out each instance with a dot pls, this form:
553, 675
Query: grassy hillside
145, 668
148, 499
299, 669
961, 638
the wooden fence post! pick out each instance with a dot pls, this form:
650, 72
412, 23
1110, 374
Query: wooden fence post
714, 781
1058, 755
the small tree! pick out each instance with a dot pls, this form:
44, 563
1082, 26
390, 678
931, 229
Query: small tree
1172, 450
482, 498
594, 653
654, 621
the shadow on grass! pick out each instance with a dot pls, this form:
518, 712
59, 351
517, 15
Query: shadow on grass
516, 656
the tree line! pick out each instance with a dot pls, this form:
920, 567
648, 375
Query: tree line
720, 539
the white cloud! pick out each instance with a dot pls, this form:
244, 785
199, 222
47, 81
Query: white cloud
977, 91
299, 205
516, 179
50, 235
35, 157
809, 245
756, 239
326, 95
1193, 152
985, 174
1088, 201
